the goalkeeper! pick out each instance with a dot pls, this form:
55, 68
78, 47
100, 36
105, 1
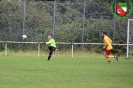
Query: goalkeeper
51, 47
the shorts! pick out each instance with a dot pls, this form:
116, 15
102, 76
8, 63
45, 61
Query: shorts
107, 52
51, 48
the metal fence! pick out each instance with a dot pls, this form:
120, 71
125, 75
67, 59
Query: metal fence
70, 22
74, 46
66, 21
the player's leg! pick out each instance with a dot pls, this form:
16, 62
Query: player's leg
51, 52
112, 56
107, 52
49, 47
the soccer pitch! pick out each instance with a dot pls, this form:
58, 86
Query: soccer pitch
65, 72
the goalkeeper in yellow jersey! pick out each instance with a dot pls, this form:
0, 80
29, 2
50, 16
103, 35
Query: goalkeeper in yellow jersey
52, 46
108, 47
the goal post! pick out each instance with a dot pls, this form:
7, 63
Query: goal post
129, 52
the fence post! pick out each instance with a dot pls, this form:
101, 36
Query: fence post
83, 24
38, 49
6, 49
72, 50
114, 31
24, 14
53, 31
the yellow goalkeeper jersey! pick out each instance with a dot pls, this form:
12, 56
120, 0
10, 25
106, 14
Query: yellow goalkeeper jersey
107, 42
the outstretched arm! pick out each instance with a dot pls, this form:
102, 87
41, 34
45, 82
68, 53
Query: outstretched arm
49, 42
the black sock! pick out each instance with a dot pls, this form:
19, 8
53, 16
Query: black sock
49, 57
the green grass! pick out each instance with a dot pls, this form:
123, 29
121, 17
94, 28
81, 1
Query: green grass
86, 70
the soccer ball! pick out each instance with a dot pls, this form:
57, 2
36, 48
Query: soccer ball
24, 36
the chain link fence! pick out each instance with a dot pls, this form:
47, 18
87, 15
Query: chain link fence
71, 22
11, 18
66, 21
38, 23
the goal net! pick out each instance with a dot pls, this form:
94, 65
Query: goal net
130, 38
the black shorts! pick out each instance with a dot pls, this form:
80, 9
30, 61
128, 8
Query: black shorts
51, 48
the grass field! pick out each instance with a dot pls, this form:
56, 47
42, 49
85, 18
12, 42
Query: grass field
92, 71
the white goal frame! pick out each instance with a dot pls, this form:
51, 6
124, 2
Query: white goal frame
128, 35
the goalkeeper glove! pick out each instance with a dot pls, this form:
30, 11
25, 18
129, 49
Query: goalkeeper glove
43, 43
